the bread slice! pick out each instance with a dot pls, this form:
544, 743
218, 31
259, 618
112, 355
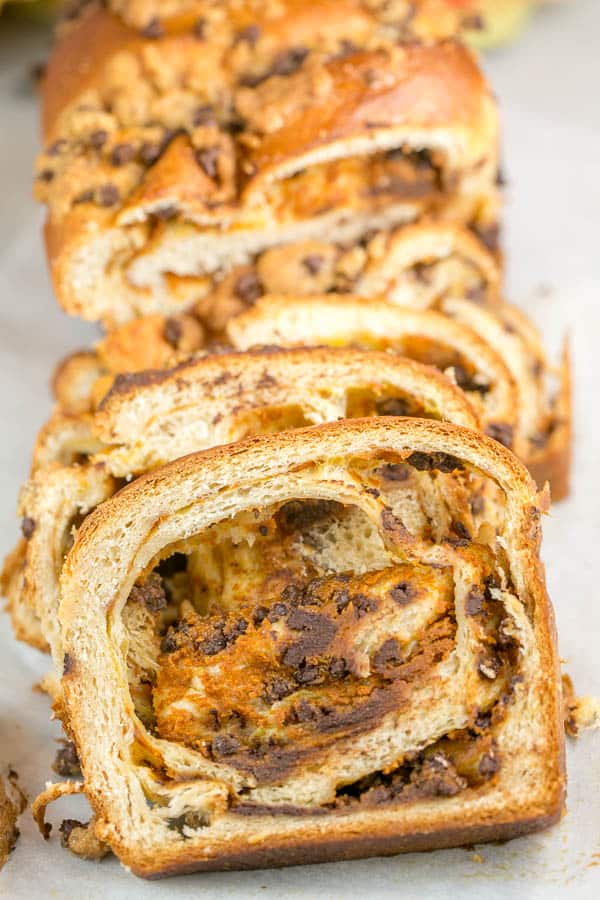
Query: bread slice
417, 265
333, 685
495, 352
174, 160
156, 416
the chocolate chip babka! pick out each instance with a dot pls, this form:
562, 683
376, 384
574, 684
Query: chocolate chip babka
267, 662
493, 353
179, 152
153, 417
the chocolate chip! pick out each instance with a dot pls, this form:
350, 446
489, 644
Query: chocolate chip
476, 294
474, 601
488, 765
470, 382
248, 287
57, 147
239, 627
84, 197
307, 674
150, 151
394, 472
65, 829
539, 440
122, 154
108, 195
214, 643
302, 620
293, 593
460, 530
477, 505
208, 158
224, 745
172, 331
250, 34
165, 213
277, 611
278, 689
426, 462
199, 29
501, 432
46, 175
488, 235
347, 47
169, 642
374, 492
259, 615
151, 593
68, 664
342, 599
27, 527
313, 263
204, 115
403, 593
97, 139
337, 667
153, 29
363, 604
392, 406
66, 761
388, 654
289, 61
301, 713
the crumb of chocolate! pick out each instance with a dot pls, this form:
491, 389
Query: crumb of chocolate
248, 287
122, 154
208, 159
153, 29
172, 331
97, 139
501, 432
66, 761
313, 263
151, 593
27, 527
108, 195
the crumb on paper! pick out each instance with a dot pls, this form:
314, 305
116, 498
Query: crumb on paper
12, 803
580, 713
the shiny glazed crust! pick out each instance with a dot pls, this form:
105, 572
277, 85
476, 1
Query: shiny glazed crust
130, 233
190, 494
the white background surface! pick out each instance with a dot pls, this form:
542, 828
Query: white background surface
548, 86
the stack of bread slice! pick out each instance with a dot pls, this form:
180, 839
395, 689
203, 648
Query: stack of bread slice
280, 538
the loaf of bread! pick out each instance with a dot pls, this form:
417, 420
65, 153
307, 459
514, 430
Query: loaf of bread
179, 151
495, 354
153, 417
266, 663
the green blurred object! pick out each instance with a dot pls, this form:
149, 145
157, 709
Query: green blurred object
503, 20
33, 10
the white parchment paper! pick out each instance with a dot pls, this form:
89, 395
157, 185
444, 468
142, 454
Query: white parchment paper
548, 86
